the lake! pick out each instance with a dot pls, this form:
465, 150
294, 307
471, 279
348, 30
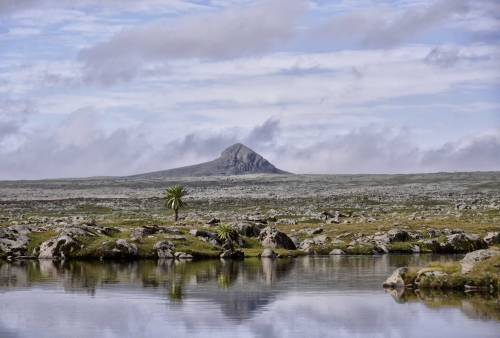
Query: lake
301, 297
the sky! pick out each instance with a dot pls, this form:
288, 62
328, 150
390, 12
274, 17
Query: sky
118, 87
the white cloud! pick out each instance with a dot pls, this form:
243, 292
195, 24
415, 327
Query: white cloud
231, 33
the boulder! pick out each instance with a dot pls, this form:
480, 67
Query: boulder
472, 258
120, 249
337, 252
315, 231
144, 231
268, 253
248, 229
164, 249
232, 254
202, 233
398, 235
14, 240
183, 255
429, 273
295, 241
307, 245
380, 248
59, 247
461, 242
108, 231
80, 230
396, 280
492, 238
272, 238
321, 239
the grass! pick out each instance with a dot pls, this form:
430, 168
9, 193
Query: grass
37, 238
400, 247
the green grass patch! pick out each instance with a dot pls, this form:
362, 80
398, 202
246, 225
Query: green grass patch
37, 238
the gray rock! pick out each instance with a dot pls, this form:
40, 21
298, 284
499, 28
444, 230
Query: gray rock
270, 237
59, 247
321, 239
213, 221
307, 245
337, 252
380, 248
472, 258
429, 274
14, 240
232, 254
462, 243
108, 231
314, 231
183, 255
398, 235
144, 231
202, 233
164, 249
248, 229
396, 280
120, 249
492, 238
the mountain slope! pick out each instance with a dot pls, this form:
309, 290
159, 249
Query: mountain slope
238, 159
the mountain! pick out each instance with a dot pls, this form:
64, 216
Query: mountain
238, 159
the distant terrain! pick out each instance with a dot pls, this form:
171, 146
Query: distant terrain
238, 159
126, 217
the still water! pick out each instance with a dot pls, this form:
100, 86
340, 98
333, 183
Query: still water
304, 297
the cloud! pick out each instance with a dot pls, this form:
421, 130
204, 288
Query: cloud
233, 32
479, 153
13, 115
387, 27
79, 147
8, 7
375, 149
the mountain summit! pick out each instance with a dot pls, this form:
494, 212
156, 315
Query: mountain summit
238, 159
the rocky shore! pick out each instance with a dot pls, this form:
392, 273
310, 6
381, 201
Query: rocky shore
477, 271
75, 238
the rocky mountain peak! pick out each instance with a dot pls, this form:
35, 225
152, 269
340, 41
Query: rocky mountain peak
237, 159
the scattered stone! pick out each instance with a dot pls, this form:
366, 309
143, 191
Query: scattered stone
314, 231
213, 221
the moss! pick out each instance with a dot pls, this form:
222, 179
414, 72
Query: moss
400, 247
360, 250
447, 267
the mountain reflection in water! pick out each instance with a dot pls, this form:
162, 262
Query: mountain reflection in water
309, 296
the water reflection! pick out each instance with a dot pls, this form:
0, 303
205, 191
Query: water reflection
475, 305
310, 296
